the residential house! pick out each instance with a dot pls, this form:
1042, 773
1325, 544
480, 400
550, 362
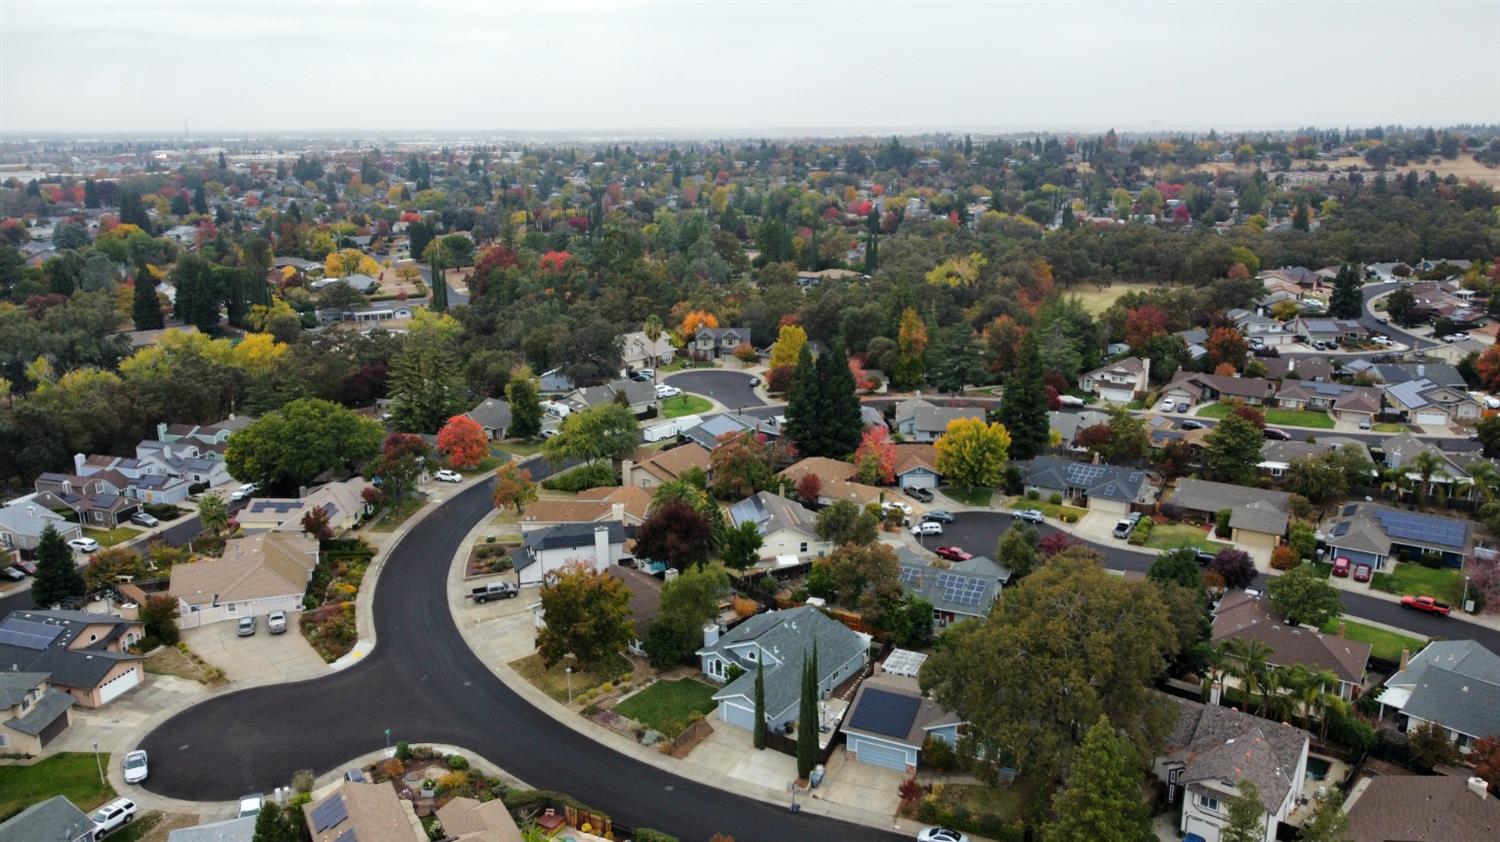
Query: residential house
1451, 469
920, 421
778, 642
1277, 457
1433, 300
707, 433
1429, 404
651, 469
837, 480
1195, 388
298, 263
492, 414
964, 590
86, 655
627, 504
1241, 616
545, 551
197, 463
1255, 326
1440, 373
32, 712
149, 479
638, 351
1426, 808
22, 522
645, 601
916, 466
1257, 517
1374, 534
464, 819
228, 830
1299, 367
357, 811
202, 433
787, 528
343, 501
639, 396
362, 283
98, 501
890, 720
1104, 488
1330, 332
1067, 423
711, 343
1212, 748
554, 382
1452, 683
57, 819
257, 574
1121, 381
1457, 351
1357, 404
386, 311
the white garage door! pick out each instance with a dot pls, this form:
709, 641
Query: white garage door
119, 684
736, 715
879, 754
1433, 418
918, 479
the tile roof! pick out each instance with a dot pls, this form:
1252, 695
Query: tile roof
1241, 615
1412, 808
1214, 743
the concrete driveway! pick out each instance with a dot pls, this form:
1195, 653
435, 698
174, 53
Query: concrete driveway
261, 658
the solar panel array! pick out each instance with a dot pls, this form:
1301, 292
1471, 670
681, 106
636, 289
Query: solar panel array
1083, 473
1341, 529
329, 813
910, 574
347, 836
1432, 530
28, 634
884, 712
280, 507
961, 590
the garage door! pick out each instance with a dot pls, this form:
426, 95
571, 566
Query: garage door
1432, 418
119, 684
879, 754
918, 479
736, 715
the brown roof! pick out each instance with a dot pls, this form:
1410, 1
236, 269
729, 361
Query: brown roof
637, 501
668, 465
1423, 809
821, 466
373, 811
929, 713
1249, 617
645, 596
1217, 744
267, 564
467, 820
909, 456
592, 505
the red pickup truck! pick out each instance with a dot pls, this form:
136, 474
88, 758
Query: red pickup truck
1426, 603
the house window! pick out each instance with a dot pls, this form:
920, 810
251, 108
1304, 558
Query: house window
750, 654
1207, 802
804, 547
4, 741
98, 517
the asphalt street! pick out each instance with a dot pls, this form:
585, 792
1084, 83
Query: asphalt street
422, 682
733, 389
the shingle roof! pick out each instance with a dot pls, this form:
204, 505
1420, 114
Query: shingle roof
1214, 743
1249, 617
15, 685
1435, 808
786, 637
1255, 509
229, 830
771, 513
48, 708
81, 667
56, 818
492, 413
935, 419
257, 566
1107, 482
467, 820
969, 588
892, 707
673, 463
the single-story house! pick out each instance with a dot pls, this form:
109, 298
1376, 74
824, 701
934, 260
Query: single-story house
638, 351
1196, 387
837, 481
1121, 381
1441, 373
1343, 401
787, 528
715, 427
1257, 517
464, 819
1300, 367
1452, 683
1426, 808
257, 574
1212, 748
227, 830
1330, 331
1375, 534
965, 590
493, 414
358, 811
645, 601
651, 469
32, 712
778, 642
916, 466
1277, 456
639, 396
85, 654
890, 720
22, 522
1104, 488
627, 504
361, 282
57, 818
1429, 404
711, 343
1068, 422
920, 421
545, 551
1246, 617
342, 500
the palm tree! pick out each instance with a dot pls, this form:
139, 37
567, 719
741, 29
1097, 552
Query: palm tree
1216, 661
1248, 664
1305, 691
213, 513
1427, 465
1393, 480
1272, 702
1484, 480
1326, 701
653, 330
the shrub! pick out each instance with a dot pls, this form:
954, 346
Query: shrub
1142, 531
938, 755
1350, 731
302, 780
646, 834
1068, 517
1430, 559
1221, 523
452, 781
1033, 494
745, 353
1055, 499
403, 751
583, 478
1170, 511
393, 768
779, 379
458, 762
1283, 558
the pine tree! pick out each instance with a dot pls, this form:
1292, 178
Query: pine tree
90, 194
804, 406
439, 287
1023, 406
1347, 300
758, 735
57, 576
133, 211
1102, 796
839, 413
146, 309
525, 409
200, 200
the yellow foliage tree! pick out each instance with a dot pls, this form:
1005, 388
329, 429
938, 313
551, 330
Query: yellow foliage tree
972, 454
261, 315
962, 271
789, 342
259, 353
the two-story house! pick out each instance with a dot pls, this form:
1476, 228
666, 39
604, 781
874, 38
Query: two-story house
546, 551
1121, 381
638, 351
32, 712
87, 655
711, 343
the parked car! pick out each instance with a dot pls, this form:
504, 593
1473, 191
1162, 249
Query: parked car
87, 545
1278, 435
1427, 604
940, 834
1204, 557
447, 475
246, 627
927, 527
754, 381
1361, 572
1033, 515
250, 805
1126, 525
1183, 406
1341, 567
897, 505
27, 567
1167, 406
664, 391
493, 590
143, 519
938, 516
1190, 424
921, 495
1378, 339
953, 553
244, 492
648, 373
355, 776
276, 622
111, 816
1364, 424
15, 574
135, 767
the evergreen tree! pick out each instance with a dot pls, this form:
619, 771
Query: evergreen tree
427, 384
807, 719
1347, 301
525, 409
1102, 796
803, 405
57, 576
274, 824
439, 287
196, 302
133, 211
90, 194
1299, 217
223, 164
758, 735
872, 241
1023, 406
1247, 818
146, 309
839, 413
200, 200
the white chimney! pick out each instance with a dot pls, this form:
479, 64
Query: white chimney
1421, 370
78, 460
617, 512
601, 547
625, 466
710, 634
1291, 364
161, 431
1479, 787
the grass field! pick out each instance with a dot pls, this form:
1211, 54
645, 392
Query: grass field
1053, 510
110, 537
668, 702
684, 404
1384, 644
969, 496
1173, 535
1097, 300
1278, 417
1412, 579
555, 682
67, 773
518, 448
1388, 428
391, 519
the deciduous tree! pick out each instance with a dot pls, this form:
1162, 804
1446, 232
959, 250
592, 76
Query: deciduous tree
1247, 818
513, 487
845, 522
875, 460
1019, 549
1235, 566
588, 616
525, 407
1303, 596
687, 603
296, 443
676, 534
1178, 567
463, 442
788, 347
1233, 451
606, 431
741, 545
911, 338
972, 454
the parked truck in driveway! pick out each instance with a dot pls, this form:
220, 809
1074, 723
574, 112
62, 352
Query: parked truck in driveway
494, 590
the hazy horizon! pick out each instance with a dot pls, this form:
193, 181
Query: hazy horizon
735, 69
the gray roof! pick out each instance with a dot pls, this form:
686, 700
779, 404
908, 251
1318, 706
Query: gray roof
969, 588
1426, 808
15, 685
1442, 374
83, 667
56, 818
1106, 482
563, 536
771, 513
1214, 743
492, 413
229, 830
934, 419
48, 708
892, 707
1456, 701
722, 424
786, 637
1068, 423
27, 518
1374, 528
1255, 509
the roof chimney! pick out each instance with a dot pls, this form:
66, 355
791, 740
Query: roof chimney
78, 460
1478, 787
1421, 369
710, 634
1341, 628
601, 547
617, 512
1405, 659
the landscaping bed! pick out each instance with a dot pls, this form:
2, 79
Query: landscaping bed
73, 774
586, 684
684, 404
1409, 578
487, 559
994, 812
391, 518
1384, 644
669, 706
181, 662
328, 624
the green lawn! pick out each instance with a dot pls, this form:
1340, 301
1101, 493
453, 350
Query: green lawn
391, 519
110, 537
1389, 428
1411, 578
72, 774
684, 404
1170, 536
1052, 510
969, 496
667, 702
555, 682
486, 465
519, 448
1383, 644
1279, 417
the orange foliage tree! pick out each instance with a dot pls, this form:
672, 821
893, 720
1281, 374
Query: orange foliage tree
462, 440
1488, 367
697, 319
876, 457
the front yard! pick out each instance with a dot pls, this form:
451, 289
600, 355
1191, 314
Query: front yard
1048, 508
390, 518
73, 774
180, 661
975, 808
1386, 645
519, 448
556, 682
684, 404
329, 623
110, 537
1409, 578
978, 497
1170, 536
1280, 417
668, 703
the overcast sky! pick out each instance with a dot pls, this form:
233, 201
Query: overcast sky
719, 67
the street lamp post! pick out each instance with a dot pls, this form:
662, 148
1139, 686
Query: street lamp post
99, 763
388, 740
569, 671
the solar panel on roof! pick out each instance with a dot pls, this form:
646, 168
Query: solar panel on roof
1430, 530
1080, 473
329, 813
28, 634
960, 590
347, 836
884, 712
909, 574
1341, 529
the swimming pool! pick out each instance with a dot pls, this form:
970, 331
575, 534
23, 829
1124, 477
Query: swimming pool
1317, 768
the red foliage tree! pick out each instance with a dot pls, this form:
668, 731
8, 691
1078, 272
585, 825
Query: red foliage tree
553, 261
1054, 398
1226, 345
1143, 323
1488, 368
676, 534
1055, 542
779, 379
876, 445
1251, 414
1235, 566
861, 380
315, 523
809, 488
1485, 756
1093, 437
462, 440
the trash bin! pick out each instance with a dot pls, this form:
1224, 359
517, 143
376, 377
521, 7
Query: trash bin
817, 775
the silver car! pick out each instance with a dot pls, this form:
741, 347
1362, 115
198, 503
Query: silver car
246, 627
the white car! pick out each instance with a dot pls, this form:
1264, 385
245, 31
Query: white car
1167, 406
276, 622
445, 475
1381, 340
940, 834
250, 806
111, 816
898, 506
665, 391
86, 545
135, 767
244, 492
927, 527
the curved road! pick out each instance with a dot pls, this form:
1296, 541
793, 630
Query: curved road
423, 682
733, 389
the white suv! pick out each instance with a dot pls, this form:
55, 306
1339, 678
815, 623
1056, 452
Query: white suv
927, 527
112, 816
